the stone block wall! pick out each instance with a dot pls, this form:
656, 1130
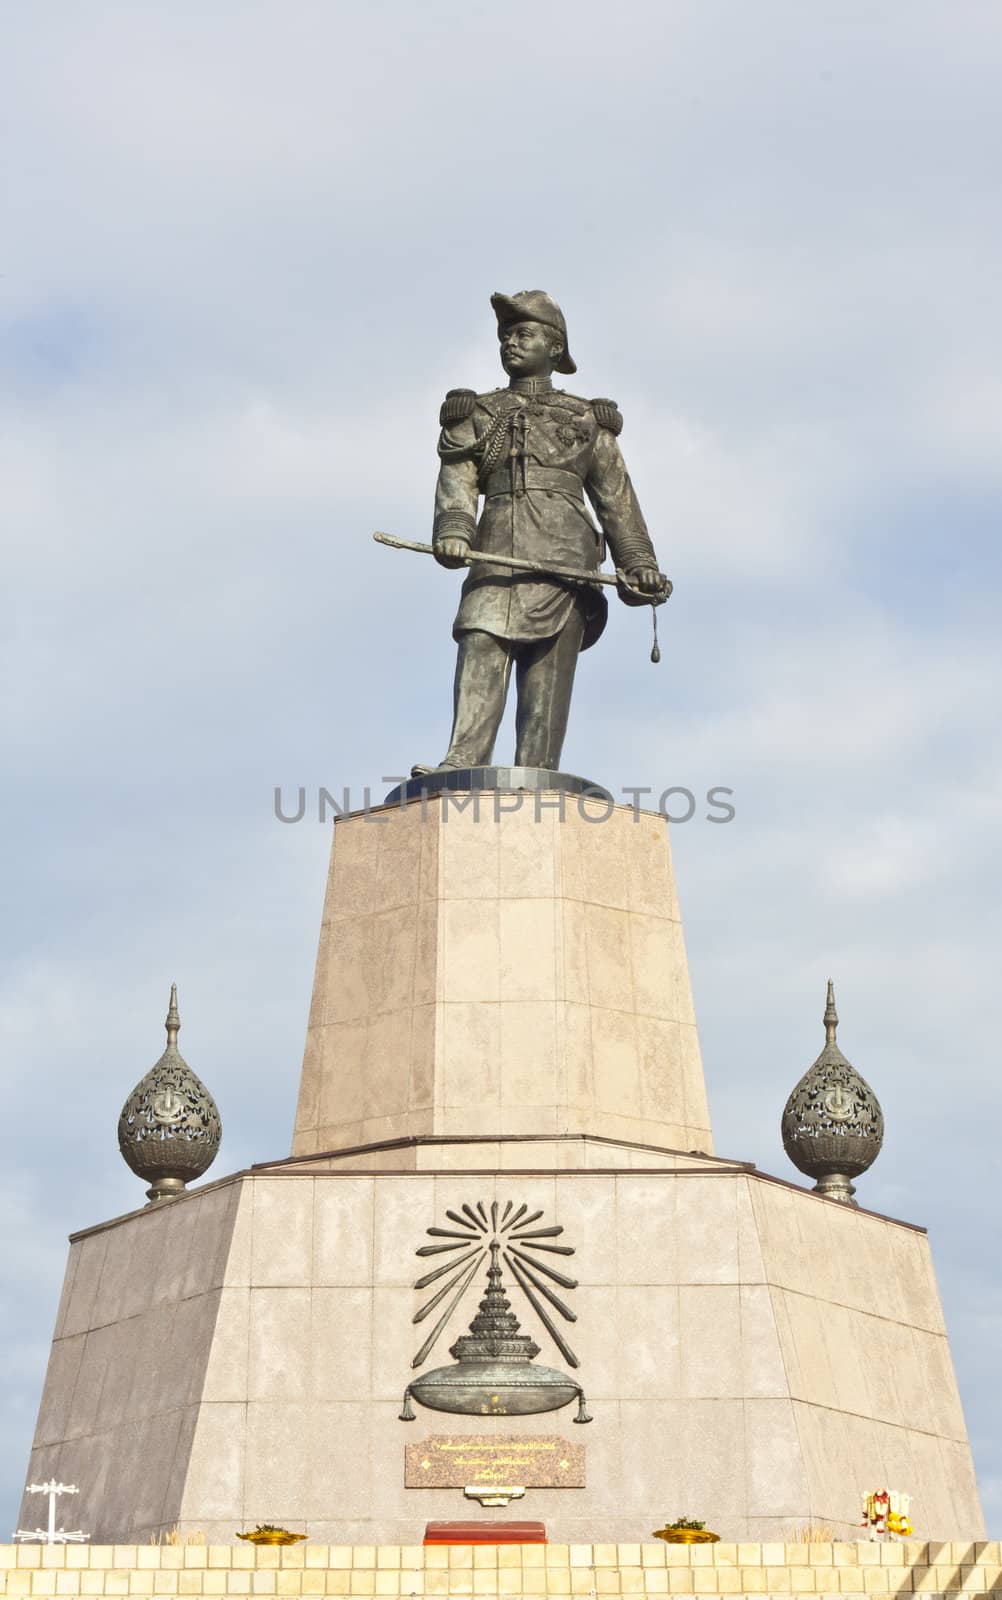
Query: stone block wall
752, 1354
511, 972
496, 1572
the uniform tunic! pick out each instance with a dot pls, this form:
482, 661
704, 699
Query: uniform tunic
533, 452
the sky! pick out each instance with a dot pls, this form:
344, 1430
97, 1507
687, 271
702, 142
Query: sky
244, 251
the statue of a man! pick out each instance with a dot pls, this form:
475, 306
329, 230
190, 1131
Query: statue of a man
533, 453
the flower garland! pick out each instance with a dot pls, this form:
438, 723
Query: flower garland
885, 1514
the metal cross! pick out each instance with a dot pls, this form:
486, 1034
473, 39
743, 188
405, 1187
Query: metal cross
52, 1534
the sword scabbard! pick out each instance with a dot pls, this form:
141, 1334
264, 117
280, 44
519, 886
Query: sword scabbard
611, 580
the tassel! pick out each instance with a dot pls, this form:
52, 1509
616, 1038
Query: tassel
583, 1413
655, 648
407, 1414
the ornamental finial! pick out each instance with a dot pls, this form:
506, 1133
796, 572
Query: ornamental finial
169, 1129
831, 1015
173, 1023
833, 1126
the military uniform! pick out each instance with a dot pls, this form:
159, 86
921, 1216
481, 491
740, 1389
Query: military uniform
533, 453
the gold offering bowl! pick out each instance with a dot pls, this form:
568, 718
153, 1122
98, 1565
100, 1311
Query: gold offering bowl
272, 1536
687, 1536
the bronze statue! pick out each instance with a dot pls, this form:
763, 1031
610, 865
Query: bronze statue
533, 452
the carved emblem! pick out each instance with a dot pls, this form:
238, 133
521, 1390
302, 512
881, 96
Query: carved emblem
838, 1103
168, 1106
495, 1372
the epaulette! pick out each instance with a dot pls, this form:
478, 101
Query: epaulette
608, 415
457, 406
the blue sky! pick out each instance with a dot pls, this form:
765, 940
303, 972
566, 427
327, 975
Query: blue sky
246, 249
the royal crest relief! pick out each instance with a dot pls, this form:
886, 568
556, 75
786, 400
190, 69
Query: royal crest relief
494, 1371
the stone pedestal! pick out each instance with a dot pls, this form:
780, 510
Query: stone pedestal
753, 1355
518, 968
502, 1014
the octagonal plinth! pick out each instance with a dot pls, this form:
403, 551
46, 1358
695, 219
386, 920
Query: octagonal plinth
752, 1353
501, 964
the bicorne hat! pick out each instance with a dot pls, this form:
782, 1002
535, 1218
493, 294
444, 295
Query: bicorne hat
533, 305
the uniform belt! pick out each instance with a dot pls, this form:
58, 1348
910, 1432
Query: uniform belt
555, 478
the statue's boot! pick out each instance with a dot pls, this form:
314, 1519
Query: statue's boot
419, 770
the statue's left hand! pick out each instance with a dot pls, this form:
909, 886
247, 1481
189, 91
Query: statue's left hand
648, 580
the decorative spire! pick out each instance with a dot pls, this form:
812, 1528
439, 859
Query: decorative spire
173, 1023
831, 1015
169, 1130
833, 1126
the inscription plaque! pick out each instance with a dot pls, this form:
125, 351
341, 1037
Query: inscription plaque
451, 1461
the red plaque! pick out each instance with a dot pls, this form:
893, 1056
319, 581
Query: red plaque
485, 1533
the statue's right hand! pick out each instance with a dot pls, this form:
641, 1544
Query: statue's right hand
451, 552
